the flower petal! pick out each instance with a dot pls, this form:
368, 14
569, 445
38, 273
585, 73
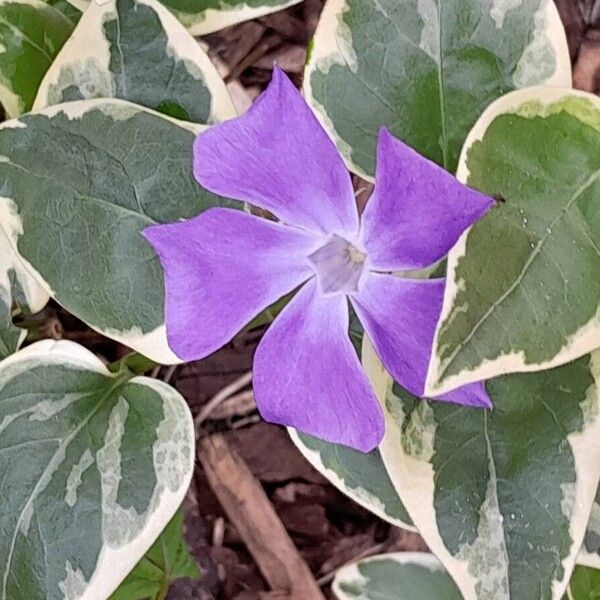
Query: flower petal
417, 210
222, 268
278, 157
400, 317
307, 374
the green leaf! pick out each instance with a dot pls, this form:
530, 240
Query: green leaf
136, 50
400, 576
501, 497
31, 34
17, 287
584, 584
426, 69
102, 170
360, 476
523, 287
93, 465
205, 16
167, 561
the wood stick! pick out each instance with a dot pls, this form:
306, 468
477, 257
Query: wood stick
221, 396
249, 509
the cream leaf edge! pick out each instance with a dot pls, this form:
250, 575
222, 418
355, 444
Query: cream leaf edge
535, 100
113, 564
331, 45
414, 481
153, 344
89, 42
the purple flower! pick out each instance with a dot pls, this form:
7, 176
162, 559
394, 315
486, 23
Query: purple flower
225, 266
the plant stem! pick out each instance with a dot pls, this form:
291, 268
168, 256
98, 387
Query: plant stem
164, 590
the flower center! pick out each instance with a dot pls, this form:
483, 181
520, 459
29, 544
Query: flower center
338, 265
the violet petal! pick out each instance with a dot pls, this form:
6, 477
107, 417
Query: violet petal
307, 374
278, 157
417, 210
222, 268
400, 317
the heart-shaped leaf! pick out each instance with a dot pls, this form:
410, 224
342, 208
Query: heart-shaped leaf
137, 50
93, 465
81, 181
400, 576
502, 497
31, 34
360, 476
523, 286
426, 69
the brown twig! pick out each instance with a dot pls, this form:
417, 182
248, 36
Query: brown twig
247, 506
238, 405
221, 396
257, 52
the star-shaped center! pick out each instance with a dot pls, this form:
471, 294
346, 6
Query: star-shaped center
338, 265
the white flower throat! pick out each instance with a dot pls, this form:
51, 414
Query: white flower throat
338, 265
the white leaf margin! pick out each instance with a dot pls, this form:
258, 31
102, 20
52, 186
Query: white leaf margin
351, 574
414, 481
113, 564
211, 20
332, 44
87, 42
586, 339
361, 496
154, 344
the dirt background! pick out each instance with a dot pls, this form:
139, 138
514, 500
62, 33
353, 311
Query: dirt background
238, 539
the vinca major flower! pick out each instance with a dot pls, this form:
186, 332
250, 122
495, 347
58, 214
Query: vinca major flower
226, 266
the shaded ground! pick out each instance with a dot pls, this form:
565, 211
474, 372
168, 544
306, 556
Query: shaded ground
326, 528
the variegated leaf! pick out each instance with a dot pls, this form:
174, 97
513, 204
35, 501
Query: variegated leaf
81, 180
523, 287
205, 16
31, 34
426, 69
360, 476
136, 50
501, 497
399, 576
93, 465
